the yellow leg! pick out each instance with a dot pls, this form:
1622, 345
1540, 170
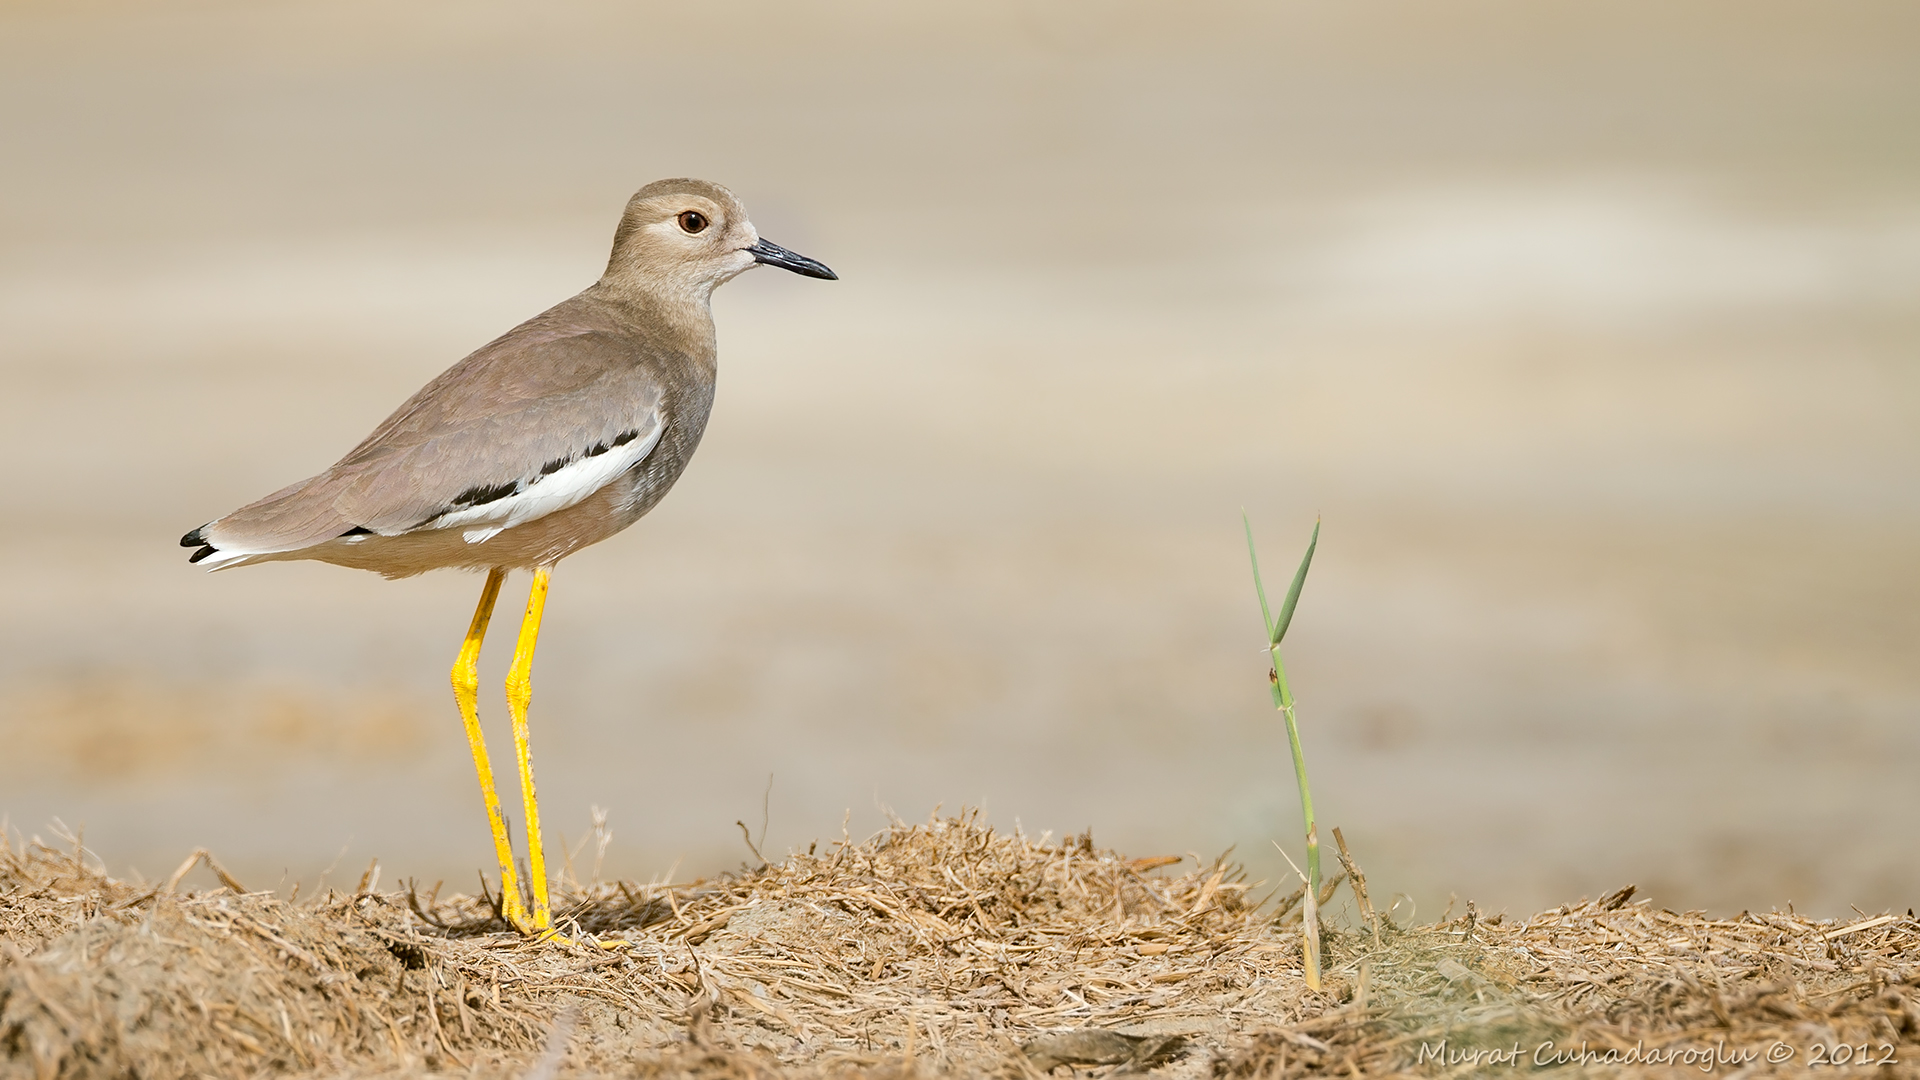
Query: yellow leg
466, 685
519, 693
466, 691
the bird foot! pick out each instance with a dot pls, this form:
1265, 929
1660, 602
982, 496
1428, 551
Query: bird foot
549, 934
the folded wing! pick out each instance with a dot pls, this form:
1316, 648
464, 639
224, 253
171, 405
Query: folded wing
531, 424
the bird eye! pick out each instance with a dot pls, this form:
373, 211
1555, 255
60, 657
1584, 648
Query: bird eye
693, 221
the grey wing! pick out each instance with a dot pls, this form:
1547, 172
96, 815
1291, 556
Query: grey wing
531, 424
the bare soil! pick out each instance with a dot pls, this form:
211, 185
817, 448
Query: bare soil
943, 948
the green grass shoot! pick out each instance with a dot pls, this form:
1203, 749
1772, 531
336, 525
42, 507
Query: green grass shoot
1282, 694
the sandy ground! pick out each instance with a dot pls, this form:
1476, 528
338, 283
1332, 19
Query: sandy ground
1591, 336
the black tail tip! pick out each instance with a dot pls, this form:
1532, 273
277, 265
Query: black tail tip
198, 538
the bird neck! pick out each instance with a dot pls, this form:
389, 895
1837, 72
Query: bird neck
686, 317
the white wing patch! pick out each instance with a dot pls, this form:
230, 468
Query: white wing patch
548, 493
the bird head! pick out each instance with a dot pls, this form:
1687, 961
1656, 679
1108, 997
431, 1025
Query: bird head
683, 237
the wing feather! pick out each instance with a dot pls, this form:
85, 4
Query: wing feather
527, 425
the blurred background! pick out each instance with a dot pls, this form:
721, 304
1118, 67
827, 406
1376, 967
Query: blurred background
1590, 330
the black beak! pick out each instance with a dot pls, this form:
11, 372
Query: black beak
775, 255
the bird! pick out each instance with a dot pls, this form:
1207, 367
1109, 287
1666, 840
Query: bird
558, 434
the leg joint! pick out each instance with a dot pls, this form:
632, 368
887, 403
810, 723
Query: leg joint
519, 688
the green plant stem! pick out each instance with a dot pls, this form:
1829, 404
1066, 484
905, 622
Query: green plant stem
1283, 701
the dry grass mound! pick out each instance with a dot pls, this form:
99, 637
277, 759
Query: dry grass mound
938, 948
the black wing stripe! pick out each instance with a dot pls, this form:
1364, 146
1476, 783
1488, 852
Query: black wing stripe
482, 494
593, 451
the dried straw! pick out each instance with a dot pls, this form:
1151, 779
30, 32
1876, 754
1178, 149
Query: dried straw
938, 948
